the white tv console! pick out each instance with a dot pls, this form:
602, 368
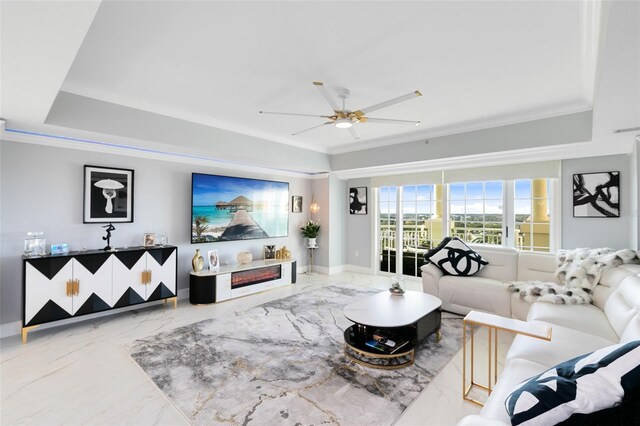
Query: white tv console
232, 281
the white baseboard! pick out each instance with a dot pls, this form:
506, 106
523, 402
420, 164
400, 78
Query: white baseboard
337, 269
359, 269
10, 329
14, 328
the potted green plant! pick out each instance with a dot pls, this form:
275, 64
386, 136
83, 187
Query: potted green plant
311, 230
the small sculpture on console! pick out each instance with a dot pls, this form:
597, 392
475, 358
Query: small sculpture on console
283, 253
107, 237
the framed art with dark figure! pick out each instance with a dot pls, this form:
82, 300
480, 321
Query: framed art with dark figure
358, 200
596, 194
108, 195
296, 204
270, 251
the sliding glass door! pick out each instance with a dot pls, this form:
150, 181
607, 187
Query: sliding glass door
408, 227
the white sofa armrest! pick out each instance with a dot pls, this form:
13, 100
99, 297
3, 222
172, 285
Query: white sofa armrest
477, 420
431, 274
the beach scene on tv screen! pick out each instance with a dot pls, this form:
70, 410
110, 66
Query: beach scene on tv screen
226, 208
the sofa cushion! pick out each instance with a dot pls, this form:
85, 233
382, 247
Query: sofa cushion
483, 294
585, 318
624, 303
456, 258
613, 276
584, 384
503, 262
537, 267
565, 343
632, 331
515, 372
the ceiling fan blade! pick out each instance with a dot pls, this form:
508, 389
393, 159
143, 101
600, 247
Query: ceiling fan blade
293, 113
390, 102
354, 132
323, 90
311, 128
388, 121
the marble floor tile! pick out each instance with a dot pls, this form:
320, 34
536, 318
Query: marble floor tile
81, 374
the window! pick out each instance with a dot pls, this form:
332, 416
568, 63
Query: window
475, 211
418, 206
415, 218
532, 215
387, 208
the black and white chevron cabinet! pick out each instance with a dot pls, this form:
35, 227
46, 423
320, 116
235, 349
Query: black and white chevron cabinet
62, 286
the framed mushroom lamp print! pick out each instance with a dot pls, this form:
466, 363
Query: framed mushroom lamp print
108, 195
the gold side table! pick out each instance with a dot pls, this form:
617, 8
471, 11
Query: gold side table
493, 324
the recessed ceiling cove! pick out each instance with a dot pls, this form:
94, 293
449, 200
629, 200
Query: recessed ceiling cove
219, 63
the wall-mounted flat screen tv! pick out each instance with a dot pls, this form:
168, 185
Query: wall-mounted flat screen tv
225, 208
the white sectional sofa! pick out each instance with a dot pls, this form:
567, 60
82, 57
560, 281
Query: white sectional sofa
576, 329
487, 290
614, 316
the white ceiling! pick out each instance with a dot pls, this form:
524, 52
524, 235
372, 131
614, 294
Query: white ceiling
218, 63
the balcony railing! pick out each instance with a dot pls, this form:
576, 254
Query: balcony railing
419, 239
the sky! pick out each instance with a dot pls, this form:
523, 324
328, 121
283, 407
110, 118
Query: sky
420, 198
209, 189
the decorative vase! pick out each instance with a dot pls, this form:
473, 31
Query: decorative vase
197, 262
397, 286
244, 257
312, 243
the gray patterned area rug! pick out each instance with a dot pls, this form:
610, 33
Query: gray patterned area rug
283, 363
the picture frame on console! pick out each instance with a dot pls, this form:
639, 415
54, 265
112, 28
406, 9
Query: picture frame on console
596, 194
108, 195
296, 204
358, 200
214, 260
149, 239
270, 251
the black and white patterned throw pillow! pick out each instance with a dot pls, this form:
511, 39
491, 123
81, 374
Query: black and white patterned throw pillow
586, 384
456, 258
427, 255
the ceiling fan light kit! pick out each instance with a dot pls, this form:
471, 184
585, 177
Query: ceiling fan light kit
344, 118
343, 123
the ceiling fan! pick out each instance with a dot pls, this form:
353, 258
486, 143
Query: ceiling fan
344, 118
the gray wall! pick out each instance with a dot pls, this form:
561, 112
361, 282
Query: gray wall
563, 129
79, 112
41, 190
320, 191
597, 232
337, 209
359, 239
635, 190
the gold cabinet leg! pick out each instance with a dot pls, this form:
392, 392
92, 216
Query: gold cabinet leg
438, 335
25, 332
174, 300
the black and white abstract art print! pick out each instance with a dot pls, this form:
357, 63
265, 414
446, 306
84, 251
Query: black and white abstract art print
108, 195
358, 200
596, 194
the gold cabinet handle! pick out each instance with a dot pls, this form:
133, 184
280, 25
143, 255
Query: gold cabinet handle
69, 289
76, 287
149, 272
146, 276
